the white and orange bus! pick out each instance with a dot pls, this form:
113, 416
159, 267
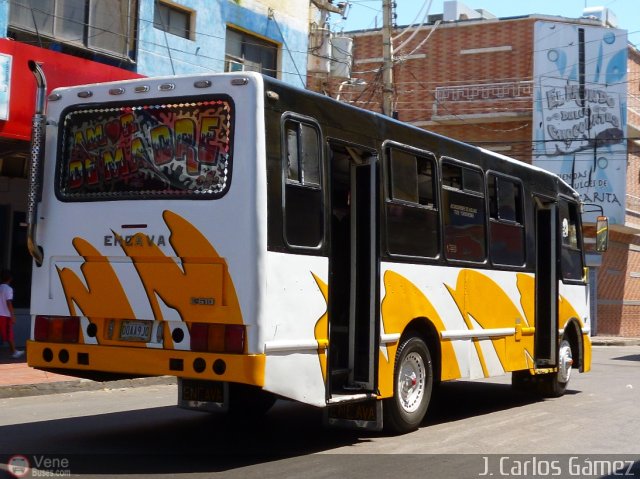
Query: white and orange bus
259, 241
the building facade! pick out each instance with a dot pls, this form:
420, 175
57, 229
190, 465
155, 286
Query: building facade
90, 41
560, 93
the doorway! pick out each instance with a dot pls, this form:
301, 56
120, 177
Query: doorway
546, 284
353, 270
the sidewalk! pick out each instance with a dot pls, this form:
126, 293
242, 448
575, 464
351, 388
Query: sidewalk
18, 380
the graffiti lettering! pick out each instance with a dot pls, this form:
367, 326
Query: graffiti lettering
174, 147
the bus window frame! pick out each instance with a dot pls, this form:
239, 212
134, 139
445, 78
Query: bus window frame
386, 179
519, 182
85, 107
285, 181
579, 237
483, 196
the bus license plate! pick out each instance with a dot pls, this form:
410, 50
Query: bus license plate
136, 331
358, 415
203, 395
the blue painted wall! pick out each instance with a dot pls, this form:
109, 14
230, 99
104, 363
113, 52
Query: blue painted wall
162, 54
4, 17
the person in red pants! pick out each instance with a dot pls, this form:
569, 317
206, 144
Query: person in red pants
7, 316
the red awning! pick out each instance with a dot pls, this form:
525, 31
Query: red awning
60, 70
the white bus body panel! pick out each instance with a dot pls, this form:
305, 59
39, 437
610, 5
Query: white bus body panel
235, 225
295, 304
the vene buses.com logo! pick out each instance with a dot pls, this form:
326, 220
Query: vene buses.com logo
18, 465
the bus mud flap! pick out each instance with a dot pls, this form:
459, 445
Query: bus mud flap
355, 415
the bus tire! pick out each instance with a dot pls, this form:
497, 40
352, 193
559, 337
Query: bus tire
412, 387
555, 384
249, 401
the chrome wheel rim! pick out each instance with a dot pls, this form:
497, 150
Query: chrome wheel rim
411, 382
565, 362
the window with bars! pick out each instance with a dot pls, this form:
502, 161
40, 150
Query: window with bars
173, 19
106, 26
245, 52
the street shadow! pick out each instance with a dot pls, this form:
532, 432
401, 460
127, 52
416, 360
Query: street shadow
168, 440
458, 400
630, 357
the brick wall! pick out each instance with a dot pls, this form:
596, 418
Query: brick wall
619, 287
456, 55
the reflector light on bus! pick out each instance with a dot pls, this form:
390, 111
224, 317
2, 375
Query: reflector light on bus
57, 329
217, 338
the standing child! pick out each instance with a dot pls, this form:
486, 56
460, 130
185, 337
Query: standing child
7, 317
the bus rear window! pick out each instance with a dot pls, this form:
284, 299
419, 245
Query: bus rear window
181, 151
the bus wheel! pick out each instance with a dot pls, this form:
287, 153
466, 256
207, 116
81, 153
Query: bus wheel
555, 384
249, 401
413, 384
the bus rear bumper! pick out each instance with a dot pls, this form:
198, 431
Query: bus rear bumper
83, 360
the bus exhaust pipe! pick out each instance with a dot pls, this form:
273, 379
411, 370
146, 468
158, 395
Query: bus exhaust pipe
38, 126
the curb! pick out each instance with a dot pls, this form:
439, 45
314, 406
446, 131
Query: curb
615, 342
77, 385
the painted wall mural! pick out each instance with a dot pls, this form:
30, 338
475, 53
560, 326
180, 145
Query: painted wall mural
580, 102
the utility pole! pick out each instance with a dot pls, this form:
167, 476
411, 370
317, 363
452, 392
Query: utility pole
387, 55
328, 6
325, 7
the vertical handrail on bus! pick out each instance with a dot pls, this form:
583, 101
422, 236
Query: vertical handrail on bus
38, 126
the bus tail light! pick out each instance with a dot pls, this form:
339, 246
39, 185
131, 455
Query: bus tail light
57, 329
234, 339
218, 338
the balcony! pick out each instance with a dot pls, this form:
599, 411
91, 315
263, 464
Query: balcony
483, 102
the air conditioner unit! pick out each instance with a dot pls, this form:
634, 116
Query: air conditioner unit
341, 57
602, 14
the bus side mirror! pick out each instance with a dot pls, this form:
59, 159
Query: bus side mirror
602, 234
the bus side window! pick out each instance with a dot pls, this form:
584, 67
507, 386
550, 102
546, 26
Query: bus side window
463, 211
571, 253
411, 210
303, 222
506, 223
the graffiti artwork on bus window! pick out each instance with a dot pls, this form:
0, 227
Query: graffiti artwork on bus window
152, 150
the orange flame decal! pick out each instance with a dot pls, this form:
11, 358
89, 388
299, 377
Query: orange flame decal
321, 330
483, 301
201, 274
402, 303
103, 296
